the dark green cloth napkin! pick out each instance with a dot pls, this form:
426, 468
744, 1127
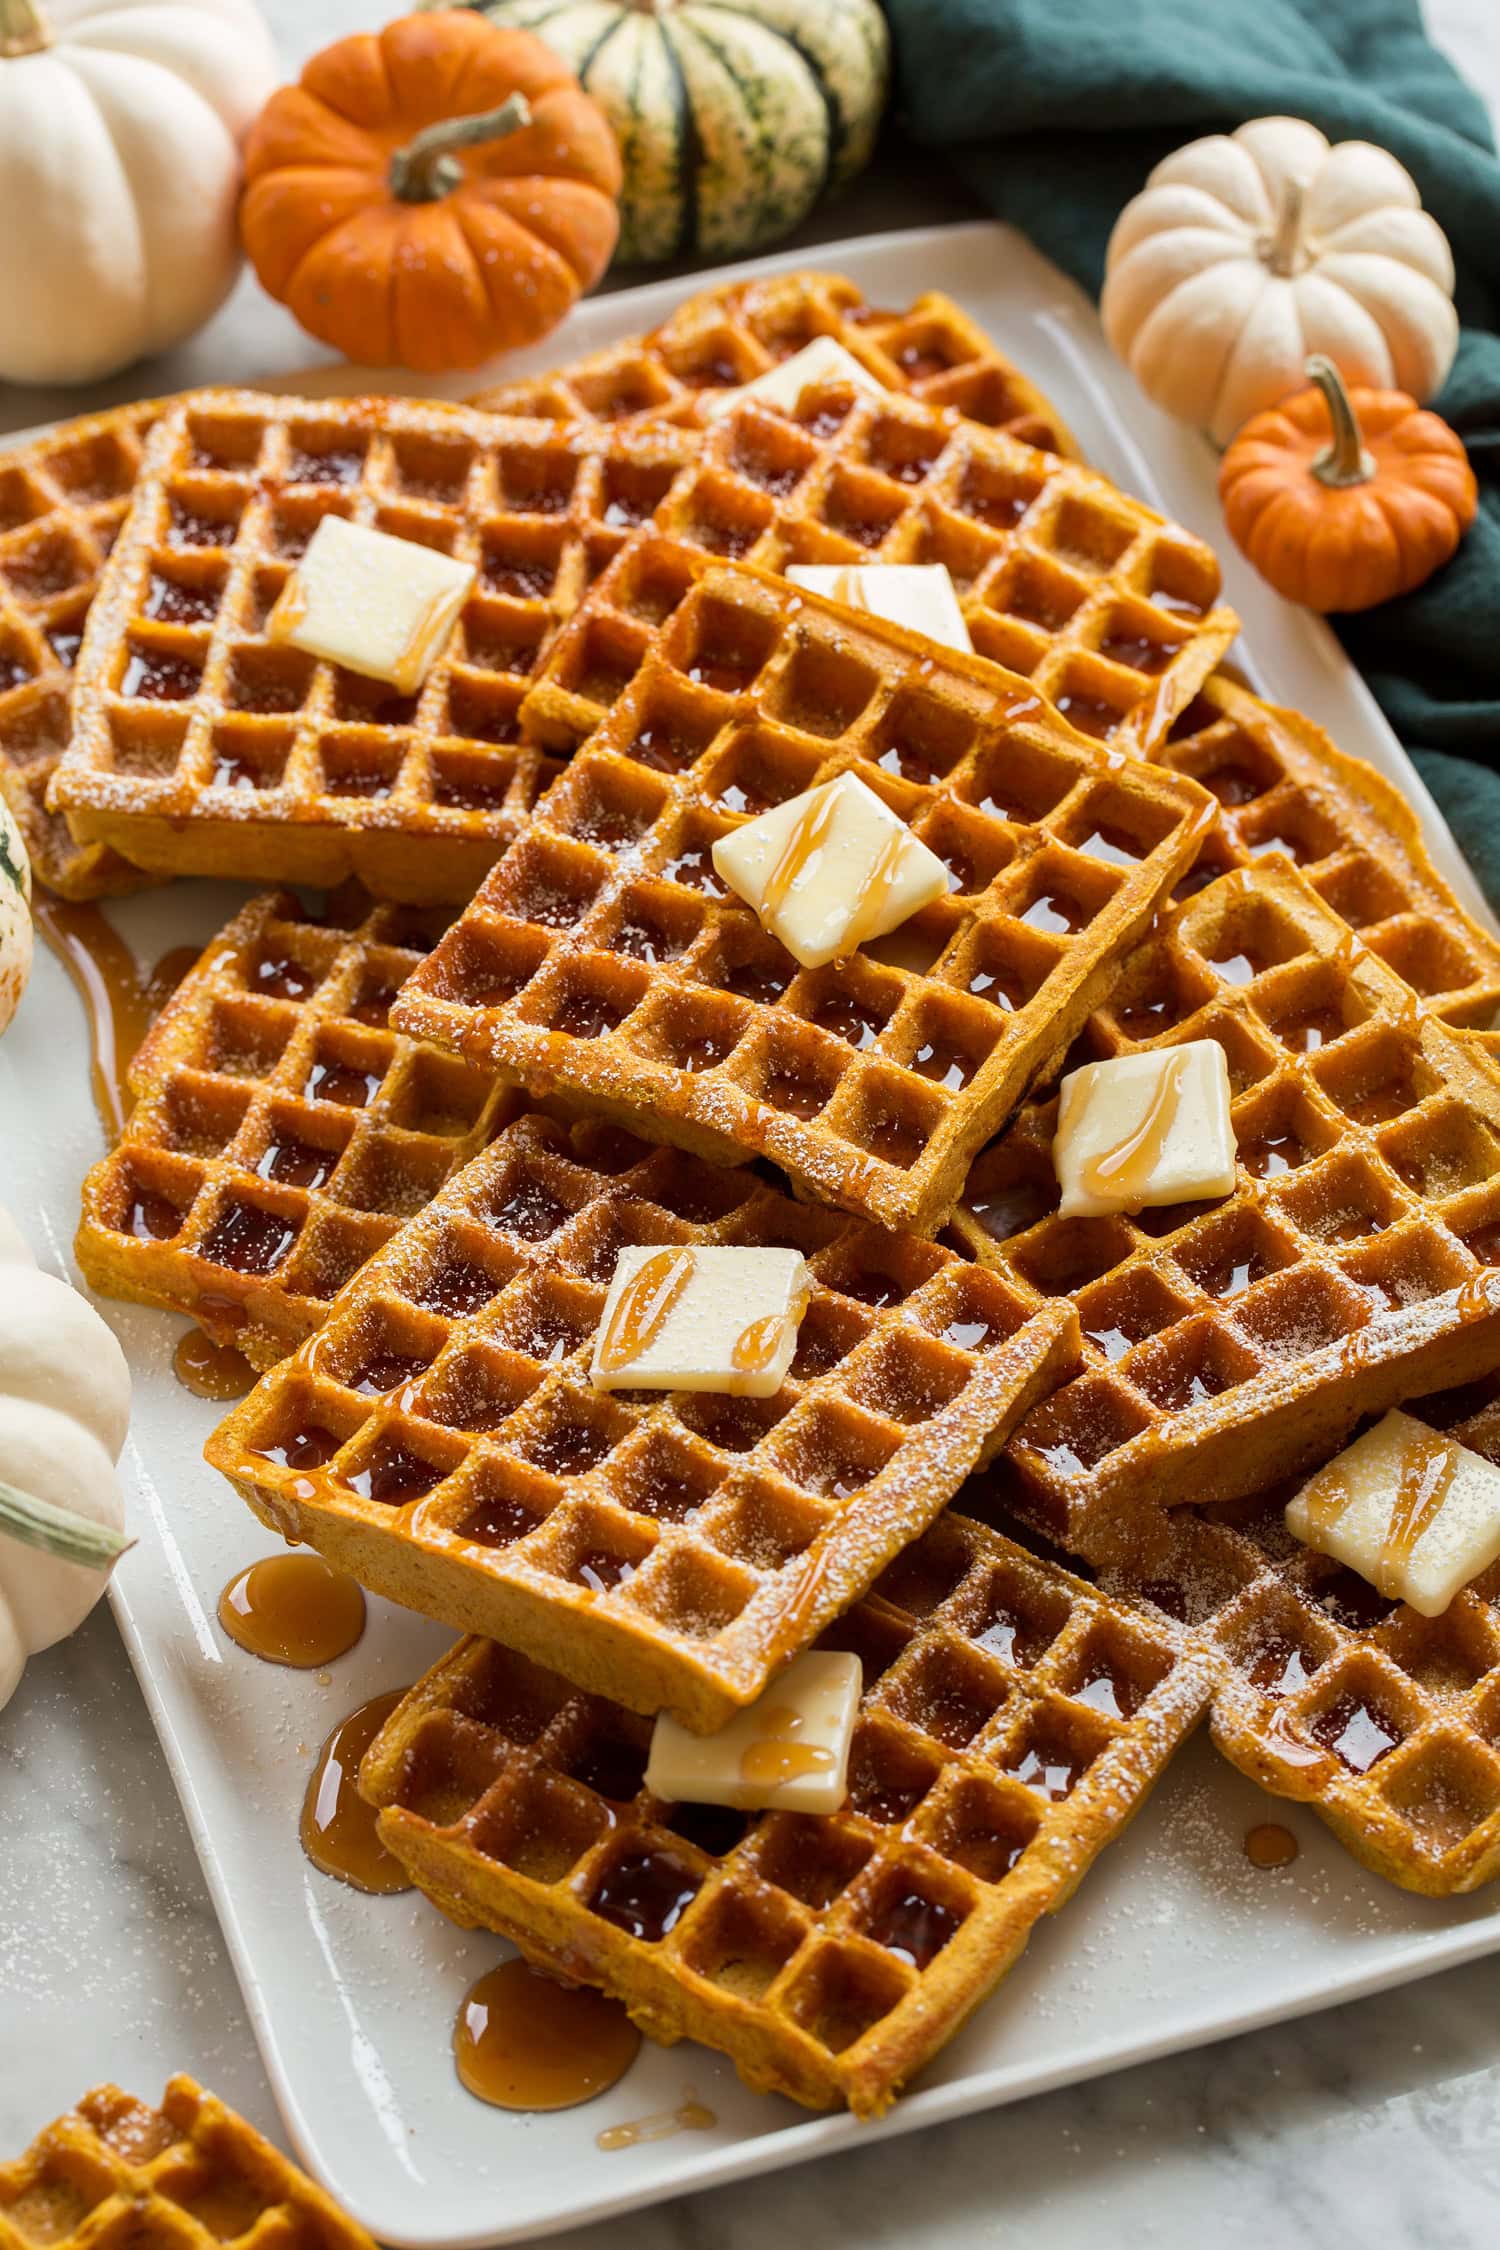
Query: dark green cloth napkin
1055, 111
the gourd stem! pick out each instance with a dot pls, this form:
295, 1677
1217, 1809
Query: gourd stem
1284, 253
426, 169
23, 30
1346, 461
67, 1538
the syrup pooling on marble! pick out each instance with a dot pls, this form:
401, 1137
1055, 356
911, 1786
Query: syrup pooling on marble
210, 1370
523, 2042
293, 1609
121, 1003
644, 1308
338, 1828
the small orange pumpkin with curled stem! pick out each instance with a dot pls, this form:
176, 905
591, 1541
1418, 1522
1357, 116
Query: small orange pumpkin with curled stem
1344, 499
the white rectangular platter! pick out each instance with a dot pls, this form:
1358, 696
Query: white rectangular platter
1173, 1941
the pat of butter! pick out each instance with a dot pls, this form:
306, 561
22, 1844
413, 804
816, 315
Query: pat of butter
820, 364
1145, 1130
721, 1318
381, 606
788, 1752
830, 869
1411, 1510
920, 596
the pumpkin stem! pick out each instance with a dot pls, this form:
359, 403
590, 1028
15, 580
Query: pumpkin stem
1346, 461
426, 169
23, 30
68, 1538
1283, 245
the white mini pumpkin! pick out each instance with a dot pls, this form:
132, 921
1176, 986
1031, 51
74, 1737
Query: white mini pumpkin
64, 1412
1247, 252
120, 123
15, 915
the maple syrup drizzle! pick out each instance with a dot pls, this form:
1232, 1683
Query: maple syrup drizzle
522, 2042
876, 889
756, 1346
211, 1370
1292, 1751
1269, 1845
1327, 1497
120, 1002
1429, 1463
776, 1755
1126, 1168
644, 1306
809, 833
338, 1828
805, 1595
293, 1609
690, 2116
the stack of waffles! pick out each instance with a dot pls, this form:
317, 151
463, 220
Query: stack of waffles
1027, 1468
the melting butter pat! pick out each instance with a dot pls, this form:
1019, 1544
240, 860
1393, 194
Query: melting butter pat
819, 365
830, 869
920, 596
1414, 1512
1144, 1130
788, 1752
721, 1318
377, 605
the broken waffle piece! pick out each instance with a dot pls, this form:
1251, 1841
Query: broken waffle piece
441, 1439
1145, 1130
789, 1752
1409, 1508
186, 2175
830, 869
719, 1318
920, 596
383, 607
1011, 1722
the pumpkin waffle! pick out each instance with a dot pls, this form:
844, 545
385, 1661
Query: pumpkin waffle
721, 338
1283, 786
1232, 1342
1110, 611
280, 1132
1012, 1721
62, 501
201, 747
440, 1438
604, 960
115, 2174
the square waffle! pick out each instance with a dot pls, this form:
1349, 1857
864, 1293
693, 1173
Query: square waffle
724, 337
62, 501
605, 959
1112, 612
200, 747
281, 1133
1230, 1343
1283, 786
440, 1437
1012, 1722
115, 2174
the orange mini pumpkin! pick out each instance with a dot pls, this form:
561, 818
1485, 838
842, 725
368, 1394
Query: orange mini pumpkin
1343, 501
431, 194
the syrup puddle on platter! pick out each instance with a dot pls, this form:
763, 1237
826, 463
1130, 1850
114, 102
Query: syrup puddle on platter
293, 1609
522, 2042
338, 1828
690, 2116
1269, 1845
210, 1370
121, 1003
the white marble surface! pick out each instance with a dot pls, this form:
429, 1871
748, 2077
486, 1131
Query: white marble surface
1374, 2124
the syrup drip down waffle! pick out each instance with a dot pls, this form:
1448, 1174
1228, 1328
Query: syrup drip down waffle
201, 747
1283, 786
1012, 1722
281, 1133
721, 338
441, 1440
1109, 610
604, 958
1230, 1343
62, 501
190, 2175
